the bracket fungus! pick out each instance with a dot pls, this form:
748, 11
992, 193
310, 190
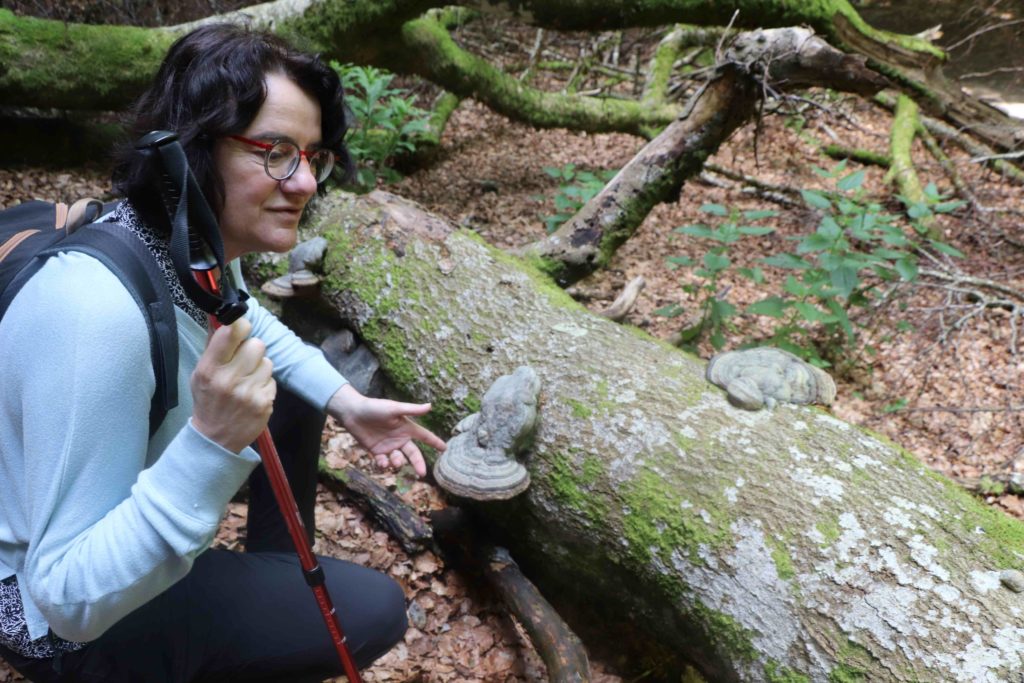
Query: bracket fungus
301, 280
480, 462
764, 376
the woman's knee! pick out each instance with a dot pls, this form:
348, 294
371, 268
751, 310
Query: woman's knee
373, 611
391, 619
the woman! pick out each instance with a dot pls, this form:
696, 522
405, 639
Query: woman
104, 568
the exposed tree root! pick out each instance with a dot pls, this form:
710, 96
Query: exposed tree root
557, 645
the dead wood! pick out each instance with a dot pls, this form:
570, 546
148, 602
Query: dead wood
624, 303
386, 508
757, 62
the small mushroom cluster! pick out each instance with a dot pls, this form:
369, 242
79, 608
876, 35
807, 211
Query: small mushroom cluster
480, 462
301, 279
763, 376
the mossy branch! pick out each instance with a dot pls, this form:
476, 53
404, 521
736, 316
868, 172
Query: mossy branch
860, 155
429, 51
901, 171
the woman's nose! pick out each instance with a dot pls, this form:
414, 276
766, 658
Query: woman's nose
302, 181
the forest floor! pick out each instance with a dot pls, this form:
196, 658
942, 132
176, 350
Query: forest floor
935, 370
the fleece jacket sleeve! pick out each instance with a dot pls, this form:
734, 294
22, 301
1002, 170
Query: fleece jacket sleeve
105, 532
298, 365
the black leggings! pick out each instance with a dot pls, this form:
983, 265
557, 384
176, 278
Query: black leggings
246, 616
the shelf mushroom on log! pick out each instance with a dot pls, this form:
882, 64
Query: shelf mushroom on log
480, 462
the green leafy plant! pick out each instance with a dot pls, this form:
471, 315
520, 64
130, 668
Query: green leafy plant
715, 309
575, 189
387, 121
856, 251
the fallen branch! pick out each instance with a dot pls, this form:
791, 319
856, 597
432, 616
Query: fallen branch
790, 58
974, 148
904, 127
429, 51
948, 166
863, 156
780, 194
390, 511
624, 303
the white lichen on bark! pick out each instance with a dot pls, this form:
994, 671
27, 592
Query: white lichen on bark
816, 544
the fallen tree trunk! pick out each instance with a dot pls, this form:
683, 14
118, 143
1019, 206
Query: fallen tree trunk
761, 546
47, 63
756, 61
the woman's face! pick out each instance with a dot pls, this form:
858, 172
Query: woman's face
260, 213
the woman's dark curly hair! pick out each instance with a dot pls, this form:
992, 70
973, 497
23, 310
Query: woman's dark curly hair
210, 85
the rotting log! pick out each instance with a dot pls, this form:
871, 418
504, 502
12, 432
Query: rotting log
46, 63
756, 61
758, 546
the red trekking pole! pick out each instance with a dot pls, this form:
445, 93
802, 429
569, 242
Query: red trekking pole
311, 569
196, 251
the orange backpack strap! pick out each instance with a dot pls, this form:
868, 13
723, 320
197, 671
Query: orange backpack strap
60, 218
83, 211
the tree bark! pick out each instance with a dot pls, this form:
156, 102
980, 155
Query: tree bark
46, 63
757, 61
761, 546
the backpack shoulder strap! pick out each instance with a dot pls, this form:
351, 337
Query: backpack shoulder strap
129, 259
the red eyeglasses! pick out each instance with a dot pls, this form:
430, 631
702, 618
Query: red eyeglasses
282, 158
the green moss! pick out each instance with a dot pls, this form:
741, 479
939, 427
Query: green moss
777, 673
570, 485
685, 443
854, 663
846, 674
1001, 537
726, 633
533, 269
579, 409
657, 519
76, 66
989, 487
783, 563
829, 528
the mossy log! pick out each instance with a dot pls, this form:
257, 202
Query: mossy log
759, 546
756, 61
45, 63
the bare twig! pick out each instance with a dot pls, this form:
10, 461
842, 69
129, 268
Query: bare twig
982, 31
991, 72
725, 34
537, 43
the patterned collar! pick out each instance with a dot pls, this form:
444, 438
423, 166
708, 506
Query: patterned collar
157, 244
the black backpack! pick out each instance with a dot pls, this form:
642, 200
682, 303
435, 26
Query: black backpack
33, 231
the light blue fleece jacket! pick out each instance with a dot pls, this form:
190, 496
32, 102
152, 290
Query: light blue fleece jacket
96, 518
